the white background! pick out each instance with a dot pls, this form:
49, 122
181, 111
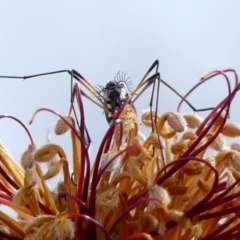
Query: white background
100, 38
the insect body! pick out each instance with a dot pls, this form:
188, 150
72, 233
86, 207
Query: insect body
114, 94
111, 96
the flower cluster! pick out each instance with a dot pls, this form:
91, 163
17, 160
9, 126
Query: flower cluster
181, 182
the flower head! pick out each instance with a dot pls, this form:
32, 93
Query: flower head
180, 182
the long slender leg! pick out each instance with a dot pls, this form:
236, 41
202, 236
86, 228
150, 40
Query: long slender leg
187, 94
77, 76
74, 75
84, 134
144, 79
36, 75
143, 85
148, 81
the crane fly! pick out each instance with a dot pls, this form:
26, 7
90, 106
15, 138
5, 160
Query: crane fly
111, 96
114, 94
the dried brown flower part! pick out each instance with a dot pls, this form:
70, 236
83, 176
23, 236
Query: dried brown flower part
48, 152
175, 121
37, 222
152, 140
231, 130
61, 126
180, 218
148, 222
108, 197
229, 158
219, 143
219, 120
50, 227
148, 118
27, 160
235, 146
160, 193
135, 172
24, 194
130, 122
192, 168
193, 120
53, 170
203, 185
179, 148
31, 177
189, 136
177, 189
64, 228
114, 165
197, 231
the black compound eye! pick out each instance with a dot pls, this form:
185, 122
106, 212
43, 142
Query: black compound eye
114, 94
111, 85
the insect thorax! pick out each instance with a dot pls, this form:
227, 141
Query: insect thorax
114, 95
